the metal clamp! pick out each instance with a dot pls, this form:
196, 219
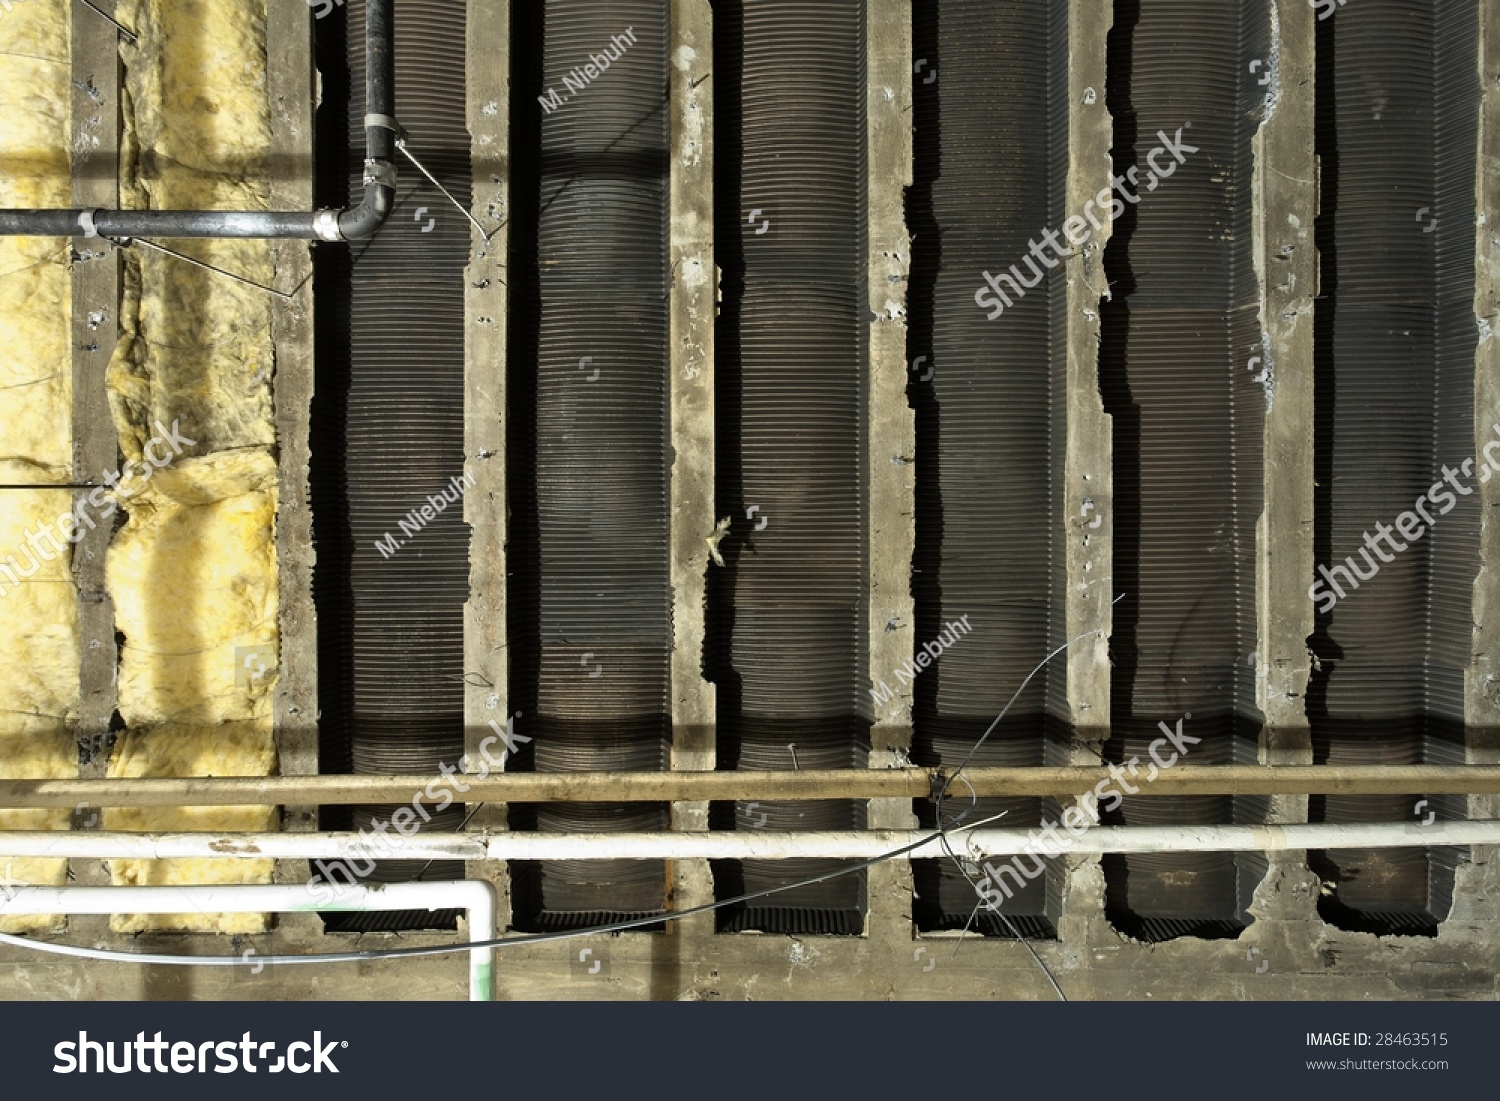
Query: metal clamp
380, 172
385, 122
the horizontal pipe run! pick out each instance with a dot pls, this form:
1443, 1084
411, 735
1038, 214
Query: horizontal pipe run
158, 223
475, 896
352, 224
667, 787
730, 845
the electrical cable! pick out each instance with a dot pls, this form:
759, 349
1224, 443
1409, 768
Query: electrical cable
974, 801
940, 835
445, 949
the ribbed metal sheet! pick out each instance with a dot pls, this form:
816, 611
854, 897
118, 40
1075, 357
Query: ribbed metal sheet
1397, 98
990, 145
389, 434
984, 922
1154, 930
1175, 369
591, 622
789, 608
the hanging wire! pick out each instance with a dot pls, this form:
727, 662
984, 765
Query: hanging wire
941, 835
123, 29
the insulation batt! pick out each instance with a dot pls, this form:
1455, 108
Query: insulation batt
38, 618
193, 570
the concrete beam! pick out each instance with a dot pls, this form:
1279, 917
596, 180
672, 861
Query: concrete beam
692, 309
891, 436
1482, 678
1286, 264
289, 90
1482, 684
290, 83
1285, 197
486, 306
1306, 961
95, 45
1088, 480
1088, 488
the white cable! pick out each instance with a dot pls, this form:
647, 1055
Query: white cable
352, 957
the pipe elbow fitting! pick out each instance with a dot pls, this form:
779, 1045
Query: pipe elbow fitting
364, 220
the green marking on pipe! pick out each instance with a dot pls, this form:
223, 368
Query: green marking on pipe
486, 984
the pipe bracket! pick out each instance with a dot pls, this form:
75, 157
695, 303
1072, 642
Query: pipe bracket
385, 122
380, 172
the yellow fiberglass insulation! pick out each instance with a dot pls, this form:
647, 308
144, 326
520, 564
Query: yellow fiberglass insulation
197, 346
38, 599
193, 571
188, 749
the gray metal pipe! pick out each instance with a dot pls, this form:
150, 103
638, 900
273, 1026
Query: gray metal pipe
325, 225
380, 135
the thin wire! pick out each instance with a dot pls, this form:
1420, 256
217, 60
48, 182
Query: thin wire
401, 145
1017, 695
1027, 945
964, 932
940, 835
448, 949
458, 829
113, 20
986, 821
974, 802
205, 267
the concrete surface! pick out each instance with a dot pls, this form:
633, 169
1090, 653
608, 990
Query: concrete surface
1287, 953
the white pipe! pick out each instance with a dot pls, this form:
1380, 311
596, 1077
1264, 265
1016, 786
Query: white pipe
734, 845
475, 896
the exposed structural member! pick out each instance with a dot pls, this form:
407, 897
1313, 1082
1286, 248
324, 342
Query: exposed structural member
322, 225
1077, 838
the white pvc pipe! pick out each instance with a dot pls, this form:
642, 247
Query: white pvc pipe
735, 845
472, 895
